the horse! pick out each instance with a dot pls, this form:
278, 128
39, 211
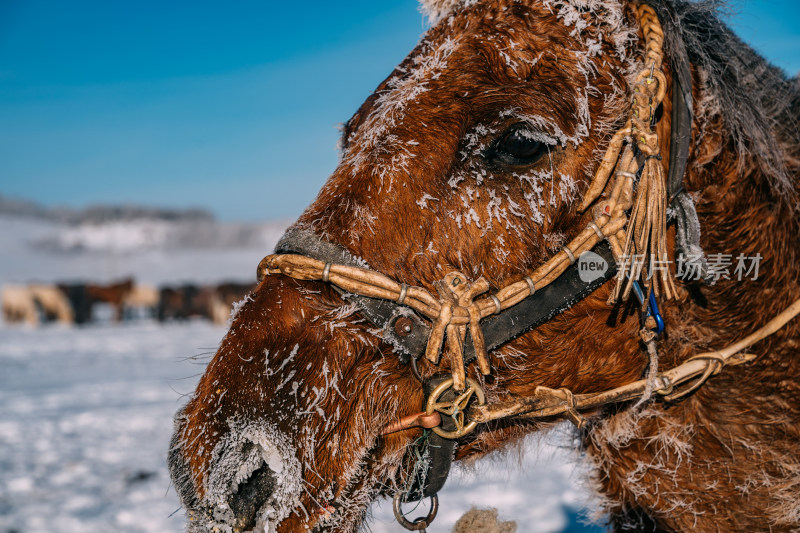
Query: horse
141, 299
78, 297
36, 302
518, 137
233, 292
53, 303
19, 305
175, 303
113, 294
189, 300
231, 295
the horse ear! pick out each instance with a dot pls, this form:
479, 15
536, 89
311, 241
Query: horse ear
436, 10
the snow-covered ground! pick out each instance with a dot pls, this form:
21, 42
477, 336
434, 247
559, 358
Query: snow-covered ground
86, 413
85, 422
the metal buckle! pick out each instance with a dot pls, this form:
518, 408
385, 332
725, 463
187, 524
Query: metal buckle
455, 409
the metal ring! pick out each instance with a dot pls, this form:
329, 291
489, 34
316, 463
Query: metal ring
326, 272
497, 305
531, 284
455, 409
419, 523
403, 292
570, 254
597, 230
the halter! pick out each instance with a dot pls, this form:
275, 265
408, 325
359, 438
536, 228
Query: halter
463, 324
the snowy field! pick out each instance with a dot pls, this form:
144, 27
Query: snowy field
86, 413
85, 422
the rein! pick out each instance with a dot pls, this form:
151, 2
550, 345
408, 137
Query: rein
464, 322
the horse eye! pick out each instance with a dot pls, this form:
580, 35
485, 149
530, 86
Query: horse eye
519, 147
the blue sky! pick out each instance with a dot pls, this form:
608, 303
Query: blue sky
230, 107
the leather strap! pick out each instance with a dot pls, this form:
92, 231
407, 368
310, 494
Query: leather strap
382, 314
411, 340
437, 452
683, 212
682, 109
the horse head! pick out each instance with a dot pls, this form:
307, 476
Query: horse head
473, 163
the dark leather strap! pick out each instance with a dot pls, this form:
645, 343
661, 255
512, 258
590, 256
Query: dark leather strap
567, 290
682, 109
560, 295
380, 313
436, 452
683, 212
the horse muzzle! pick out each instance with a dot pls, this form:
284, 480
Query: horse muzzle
242, 510
252, 481
250, 496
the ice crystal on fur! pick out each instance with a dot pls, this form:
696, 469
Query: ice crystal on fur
436, 10
244, 450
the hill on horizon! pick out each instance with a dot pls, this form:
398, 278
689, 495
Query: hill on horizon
99, 213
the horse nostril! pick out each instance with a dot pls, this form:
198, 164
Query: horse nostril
250, 496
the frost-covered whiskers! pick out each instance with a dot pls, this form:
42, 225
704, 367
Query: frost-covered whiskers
254, 467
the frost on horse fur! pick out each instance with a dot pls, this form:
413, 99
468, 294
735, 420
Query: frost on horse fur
284, 431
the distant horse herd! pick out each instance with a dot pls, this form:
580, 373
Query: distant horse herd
74, 303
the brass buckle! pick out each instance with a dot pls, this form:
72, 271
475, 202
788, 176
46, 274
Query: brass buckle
455, 409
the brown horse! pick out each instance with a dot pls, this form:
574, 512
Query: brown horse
212, 302
186, 301
474, 156
113, 294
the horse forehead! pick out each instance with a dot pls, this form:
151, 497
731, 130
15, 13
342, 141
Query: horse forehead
411, 100
569, 11
472, 54
411, 80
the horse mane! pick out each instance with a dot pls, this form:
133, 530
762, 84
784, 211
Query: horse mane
756, 101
